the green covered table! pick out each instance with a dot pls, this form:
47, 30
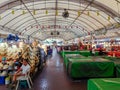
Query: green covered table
117, 64
75, 56
88, 68
84, 53
117, 70
87, 53
69, 52
104, 84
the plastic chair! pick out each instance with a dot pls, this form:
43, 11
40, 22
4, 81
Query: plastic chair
27, 78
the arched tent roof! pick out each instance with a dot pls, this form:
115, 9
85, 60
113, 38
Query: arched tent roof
38, 18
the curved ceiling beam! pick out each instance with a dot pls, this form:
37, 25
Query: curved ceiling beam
44, 21
105, 9
65, 31
94, 4
60, 21
41, 17
68, 29
13, 19
50, 15
41, 9
78, 34
82, 17
80, 23
58, 28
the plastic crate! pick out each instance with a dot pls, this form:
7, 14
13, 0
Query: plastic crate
2, 79
23, 84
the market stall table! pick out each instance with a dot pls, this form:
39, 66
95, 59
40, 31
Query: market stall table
67, 56
104, 84
69, 52
90, 68
116, 61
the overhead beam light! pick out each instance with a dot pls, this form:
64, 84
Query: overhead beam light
88, 13
13, 12
0, 17
34, 12
78, 13
98, 13
23, 12
56, 12
109, 18
46, 12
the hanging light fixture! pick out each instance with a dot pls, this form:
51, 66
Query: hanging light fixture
13, 12
78, 13
34, 12
23, 12
98, 13
117, 18
109, 18
0, 17
88, 13
65, 14
46, 12
56, 12
79, 8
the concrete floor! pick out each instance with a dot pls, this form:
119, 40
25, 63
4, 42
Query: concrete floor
54, 77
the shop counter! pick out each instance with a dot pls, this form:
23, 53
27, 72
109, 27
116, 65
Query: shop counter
104, 84
90, 68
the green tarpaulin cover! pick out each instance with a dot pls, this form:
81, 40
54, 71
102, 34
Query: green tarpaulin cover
84, 53
117, 64
118, 70
83, 68
69, 52
73, 56
104, 84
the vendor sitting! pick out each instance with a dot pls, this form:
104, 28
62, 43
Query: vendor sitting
24, 69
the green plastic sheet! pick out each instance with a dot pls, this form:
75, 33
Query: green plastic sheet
117, 64
104, 84
118, 70
69, 52
84, 68
84, 53
73, 56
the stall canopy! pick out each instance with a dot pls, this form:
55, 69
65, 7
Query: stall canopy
44, 19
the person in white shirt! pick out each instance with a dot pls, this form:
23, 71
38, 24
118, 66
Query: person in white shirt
24, 69
93, 51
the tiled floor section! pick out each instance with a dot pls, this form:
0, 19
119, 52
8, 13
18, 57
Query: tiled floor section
53, 77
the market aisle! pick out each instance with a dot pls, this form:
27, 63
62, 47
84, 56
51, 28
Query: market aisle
53, 77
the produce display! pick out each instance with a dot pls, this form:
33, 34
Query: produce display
11, 53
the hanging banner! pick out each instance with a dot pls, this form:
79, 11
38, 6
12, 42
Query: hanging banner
55, 26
